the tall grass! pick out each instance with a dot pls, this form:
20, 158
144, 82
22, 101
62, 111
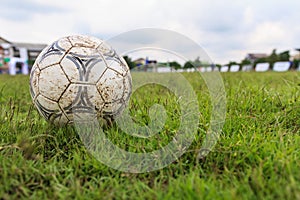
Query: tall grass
257, 156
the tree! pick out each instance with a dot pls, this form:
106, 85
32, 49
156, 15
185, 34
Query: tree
175, 65
295, 63
284, 56
129, 62
232, 63
188, 65
245, 61
218, 66
272, 58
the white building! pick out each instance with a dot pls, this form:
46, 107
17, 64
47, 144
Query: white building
18, 57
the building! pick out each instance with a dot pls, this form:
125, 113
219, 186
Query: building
297, 56
143, 64
252, 57
18, 57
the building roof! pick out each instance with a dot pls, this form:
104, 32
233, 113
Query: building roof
30, 46
257, 55
139, 60
2, 40
297, 49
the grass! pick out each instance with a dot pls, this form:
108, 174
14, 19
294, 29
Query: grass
257, 156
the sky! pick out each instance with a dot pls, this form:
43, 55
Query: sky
226, 29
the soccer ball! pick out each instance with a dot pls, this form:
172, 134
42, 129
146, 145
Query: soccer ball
77, 76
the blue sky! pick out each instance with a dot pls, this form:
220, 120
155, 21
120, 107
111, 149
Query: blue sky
227, 29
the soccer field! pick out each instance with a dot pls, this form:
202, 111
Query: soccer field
256, 157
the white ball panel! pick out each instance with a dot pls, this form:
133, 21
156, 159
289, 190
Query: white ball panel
52, 82
117, 65
49, 105
69, 96
84, 95
50, 59
41, 55
96, 71
50, 110
34, 81
34, 67
71, 68
84, 41
64, 43
82, 99
60, 120
105, 49
84, 51
114, 108
95, 98
127, 87
111, 86
125, 66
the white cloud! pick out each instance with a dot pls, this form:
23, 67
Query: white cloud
226, 29
268, 34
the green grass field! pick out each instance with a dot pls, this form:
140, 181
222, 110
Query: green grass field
257, 156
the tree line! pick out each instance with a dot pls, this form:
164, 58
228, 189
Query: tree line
271, 59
